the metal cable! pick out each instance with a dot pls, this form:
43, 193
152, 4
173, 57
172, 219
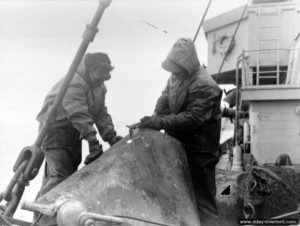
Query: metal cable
286, 215
143, 220
37, 219
203, 17
231, 42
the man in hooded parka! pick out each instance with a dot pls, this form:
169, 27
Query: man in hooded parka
189, 110
82, 106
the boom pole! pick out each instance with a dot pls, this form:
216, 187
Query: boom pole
31, 158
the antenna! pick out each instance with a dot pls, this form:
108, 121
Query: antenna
154, 26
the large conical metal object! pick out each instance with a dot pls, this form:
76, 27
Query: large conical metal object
146, 178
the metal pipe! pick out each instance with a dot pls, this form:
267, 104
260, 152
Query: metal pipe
88, 37
46, 209
237, 152
69, 212
230, 113
269, 50
240, 58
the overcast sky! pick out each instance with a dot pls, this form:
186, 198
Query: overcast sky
39, 39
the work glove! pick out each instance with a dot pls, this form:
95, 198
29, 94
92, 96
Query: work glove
114, 140
151, 122
95, 150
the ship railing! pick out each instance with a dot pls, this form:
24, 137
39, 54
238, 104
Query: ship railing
271, 67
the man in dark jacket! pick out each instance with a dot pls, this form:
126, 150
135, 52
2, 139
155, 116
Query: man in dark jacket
81, 108
189, 110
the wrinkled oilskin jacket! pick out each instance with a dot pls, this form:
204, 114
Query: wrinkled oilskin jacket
82, 106
190, 106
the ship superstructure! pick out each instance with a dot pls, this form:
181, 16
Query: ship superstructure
256, 47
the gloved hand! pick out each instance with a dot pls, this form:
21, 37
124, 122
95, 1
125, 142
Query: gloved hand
151, 122
114, 140
95, 150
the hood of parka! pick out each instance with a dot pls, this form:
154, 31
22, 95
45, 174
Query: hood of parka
94, 61
183, 54
95, 68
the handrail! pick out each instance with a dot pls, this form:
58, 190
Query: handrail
265, 70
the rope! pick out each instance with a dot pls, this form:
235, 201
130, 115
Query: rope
286, 215
143, 220
274, 176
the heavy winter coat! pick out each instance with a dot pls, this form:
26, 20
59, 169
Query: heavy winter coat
82, 106
190, 105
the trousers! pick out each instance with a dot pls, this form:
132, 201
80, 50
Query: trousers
204, 183
62, 148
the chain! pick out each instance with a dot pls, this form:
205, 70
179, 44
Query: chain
14, 190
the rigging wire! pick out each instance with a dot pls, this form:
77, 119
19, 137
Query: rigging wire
202, 20
232, 39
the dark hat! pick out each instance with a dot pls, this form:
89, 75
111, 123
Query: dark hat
98, 60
